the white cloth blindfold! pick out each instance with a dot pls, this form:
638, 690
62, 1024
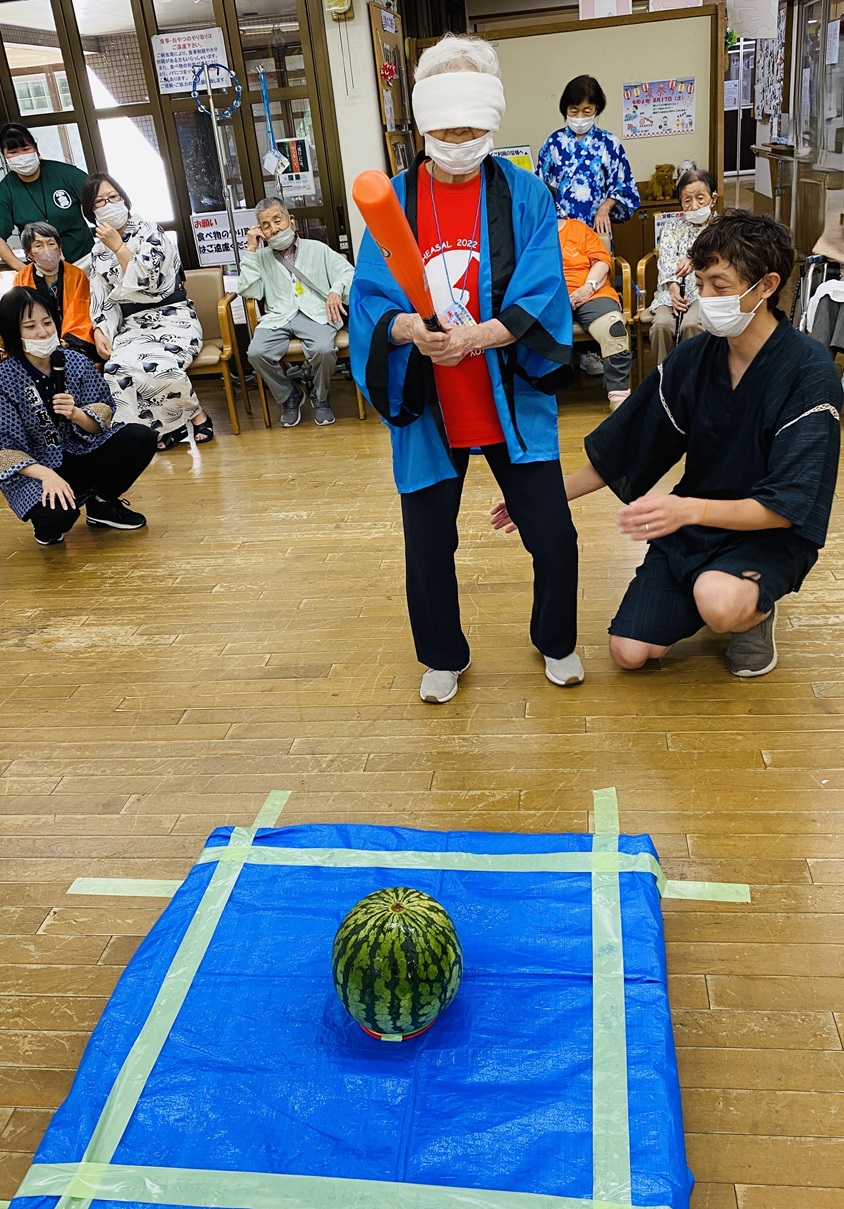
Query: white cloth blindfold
456, 99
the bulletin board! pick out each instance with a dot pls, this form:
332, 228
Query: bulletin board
393, 85
537, 61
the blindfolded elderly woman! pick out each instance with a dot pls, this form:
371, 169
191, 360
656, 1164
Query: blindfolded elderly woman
488, 237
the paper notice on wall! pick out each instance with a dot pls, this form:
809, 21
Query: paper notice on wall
753, 18
659, 6
388, 22
212, 235
522, 157
389, 112
833, 38
660, 223
178, 56
730, 94
651, 108
591, 10
297, 180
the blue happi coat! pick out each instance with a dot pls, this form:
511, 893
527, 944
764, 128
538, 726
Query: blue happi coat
520, 283
584, 172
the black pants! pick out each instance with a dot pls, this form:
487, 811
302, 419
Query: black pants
107, 471
536, 501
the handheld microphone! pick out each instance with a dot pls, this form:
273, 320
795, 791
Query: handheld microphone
57, 366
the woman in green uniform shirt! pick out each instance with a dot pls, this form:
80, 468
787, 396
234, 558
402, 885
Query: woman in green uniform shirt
36, 190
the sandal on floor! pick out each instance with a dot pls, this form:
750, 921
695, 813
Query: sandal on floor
204, 432
169, 439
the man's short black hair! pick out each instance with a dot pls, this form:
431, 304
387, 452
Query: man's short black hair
14, 137
90, 190
17, 305
580, 89
754, 244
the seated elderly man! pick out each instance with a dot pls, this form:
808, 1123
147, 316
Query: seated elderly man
52, 276
304, 284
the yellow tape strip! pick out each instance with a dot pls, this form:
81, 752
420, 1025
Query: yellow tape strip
605, 807
257, 1190
126, 887
611, 1180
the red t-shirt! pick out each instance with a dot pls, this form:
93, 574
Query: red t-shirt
465, 390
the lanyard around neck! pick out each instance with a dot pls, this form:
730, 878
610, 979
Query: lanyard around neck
473, 241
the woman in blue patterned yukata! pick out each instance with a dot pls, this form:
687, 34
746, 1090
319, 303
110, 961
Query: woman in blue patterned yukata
588, 172
584, 166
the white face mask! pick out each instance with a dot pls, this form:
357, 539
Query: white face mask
114, 213
24, 165
459, 159
41, 348
282, 239
580, 125
724, 316
698, 217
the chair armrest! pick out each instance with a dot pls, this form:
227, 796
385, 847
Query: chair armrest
226, 321
253, 313
620, 265
641, 269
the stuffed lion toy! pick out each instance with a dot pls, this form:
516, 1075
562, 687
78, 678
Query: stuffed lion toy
661, 185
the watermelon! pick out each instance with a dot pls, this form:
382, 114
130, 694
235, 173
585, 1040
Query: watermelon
397, 962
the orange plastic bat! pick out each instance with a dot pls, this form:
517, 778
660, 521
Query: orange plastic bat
388, 225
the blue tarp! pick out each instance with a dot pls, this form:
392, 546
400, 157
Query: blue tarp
264, 1072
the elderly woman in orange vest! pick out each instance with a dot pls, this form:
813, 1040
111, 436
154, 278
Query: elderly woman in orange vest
595, 304
51, 275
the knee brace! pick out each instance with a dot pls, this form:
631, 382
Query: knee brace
610, 331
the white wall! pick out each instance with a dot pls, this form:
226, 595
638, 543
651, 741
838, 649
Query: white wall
356, 103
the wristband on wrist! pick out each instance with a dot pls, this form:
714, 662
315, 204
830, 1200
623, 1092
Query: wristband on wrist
593, 284
703, 516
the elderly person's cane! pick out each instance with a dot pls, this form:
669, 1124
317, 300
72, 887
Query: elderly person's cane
678, 321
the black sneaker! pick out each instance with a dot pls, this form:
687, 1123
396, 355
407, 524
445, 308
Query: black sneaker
113, 514
754, 653
49, 541
291, 412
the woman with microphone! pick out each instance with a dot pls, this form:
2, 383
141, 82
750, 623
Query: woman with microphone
57, 447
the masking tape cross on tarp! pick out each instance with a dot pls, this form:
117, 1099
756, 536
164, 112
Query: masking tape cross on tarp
260, 1190
131, 1079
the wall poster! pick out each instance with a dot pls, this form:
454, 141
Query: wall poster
656, 107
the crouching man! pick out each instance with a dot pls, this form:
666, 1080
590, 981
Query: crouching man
753, 406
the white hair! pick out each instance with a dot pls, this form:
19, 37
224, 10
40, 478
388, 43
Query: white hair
457, 53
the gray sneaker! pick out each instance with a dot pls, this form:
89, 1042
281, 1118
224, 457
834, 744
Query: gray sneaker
291, 409
566, 671
323, 413
754, 653
438, 686
591, 363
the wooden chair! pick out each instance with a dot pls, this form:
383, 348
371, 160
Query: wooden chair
213, 305
645, 274
296, 353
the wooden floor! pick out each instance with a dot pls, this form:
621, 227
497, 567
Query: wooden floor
254, 637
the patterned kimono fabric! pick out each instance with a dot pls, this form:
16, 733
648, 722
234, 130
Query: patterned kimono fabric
152, 347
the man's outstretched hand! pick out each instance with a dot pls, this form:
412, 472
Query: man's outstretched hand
499, 518
657, 515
